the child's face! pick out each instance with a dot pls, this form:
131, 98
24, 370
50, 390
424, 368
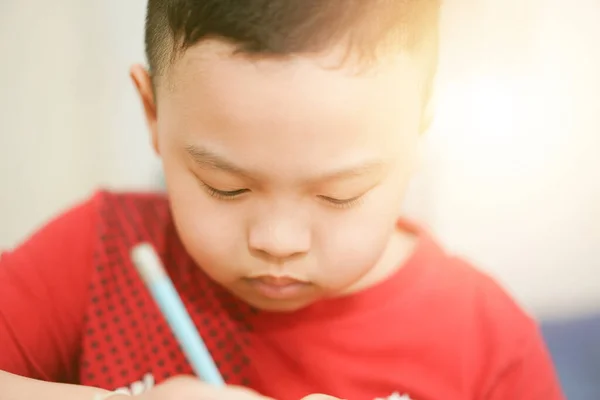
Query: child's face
286, 169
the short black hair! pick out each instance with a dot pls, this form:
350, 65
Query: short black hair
283, 27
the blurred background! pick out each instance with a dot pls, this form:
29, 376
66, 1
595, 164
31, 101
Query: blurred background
510, 175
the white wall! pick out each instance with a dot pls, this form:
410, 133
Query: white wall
69, 119
510, 178
517, 140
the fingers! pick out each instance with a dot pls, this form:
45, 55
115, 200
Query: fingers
184, 388
318, 396
191, 388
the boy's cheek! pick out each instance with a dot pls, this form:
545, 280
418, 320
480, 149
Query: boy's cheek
202, 223
352, 245
356, 237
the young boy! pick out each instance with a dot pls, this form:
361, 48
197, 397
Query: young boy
288, 132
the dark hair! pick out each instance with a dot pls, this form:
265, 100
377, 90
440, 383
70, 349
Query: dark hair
281, 27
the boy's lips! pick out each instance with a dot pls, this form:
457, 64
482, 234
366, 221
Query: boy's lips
278, 287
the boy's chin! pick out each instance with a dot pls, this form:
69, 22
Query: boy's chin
287, 306
276, 305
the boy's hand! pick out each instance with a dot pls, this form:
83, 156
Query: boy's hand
189, 388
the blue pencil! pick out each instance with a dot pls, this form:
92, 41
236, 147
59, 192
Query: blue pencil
161, 287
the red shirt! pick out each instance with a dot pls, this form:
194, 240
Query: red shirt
73, 309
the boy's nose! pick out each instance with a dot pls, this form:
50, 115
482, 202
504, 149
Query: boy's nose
279, 240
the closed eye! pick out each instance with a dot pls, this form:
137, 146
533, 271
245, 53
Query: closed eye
343, 203
223, 194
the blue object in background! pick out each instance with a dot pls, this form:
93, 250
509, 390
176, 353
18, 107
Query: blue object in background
575, 347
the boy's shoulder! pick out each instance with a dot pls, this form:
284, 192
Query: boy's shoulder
140, 210
465, 316
81, 250
485, 312
107, 202
105, 215
453, 294
489, 303
504, 338
100, 216
104, 207
449, 278
101, 224
125, 219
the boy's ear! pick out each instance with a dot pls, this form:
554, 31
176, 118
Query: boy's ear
143, 83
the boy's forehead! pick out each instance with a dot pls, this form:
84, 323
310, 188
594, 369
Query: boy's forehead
300, 98
216, 65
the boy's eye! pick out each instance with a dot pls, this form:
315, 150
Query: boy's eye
343, 203
233, 194
223, 194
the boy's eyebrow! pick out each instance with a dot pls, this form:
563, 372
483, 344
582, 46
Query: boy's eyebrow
207, 158
210, 159
365, 168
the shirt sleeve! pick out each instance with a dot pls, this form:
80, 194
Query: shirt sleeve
43, 295
531, 374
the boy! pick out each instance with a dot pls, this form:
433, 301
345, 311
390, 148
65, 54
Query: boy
288, 131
